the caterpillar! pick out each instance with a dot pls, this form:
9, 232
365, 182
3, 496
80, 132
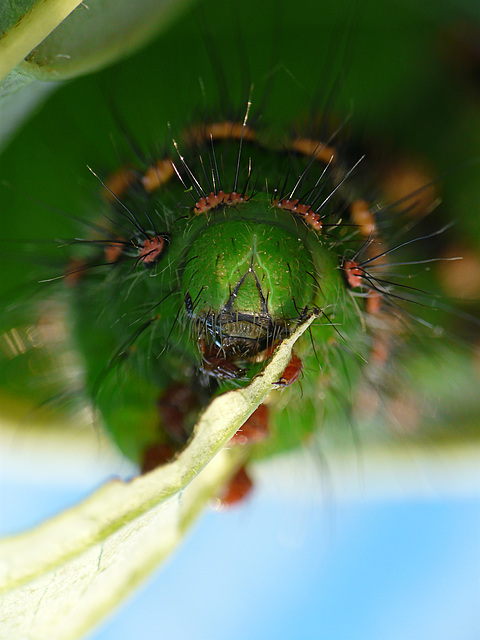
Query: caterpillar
157, 219
214, 319
148, 296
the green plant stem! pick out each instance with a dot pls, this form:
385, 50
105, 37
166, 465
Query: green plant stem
31, 30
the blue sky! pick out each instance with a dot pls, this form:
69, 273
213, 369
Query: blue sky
282, 570
282, 566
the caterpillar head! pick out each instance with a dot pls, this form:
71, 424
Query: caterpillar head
250, 275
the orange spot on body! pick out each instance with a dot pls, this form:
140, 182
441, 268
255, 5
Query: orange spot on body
363, 217
118, 183
315, 148
374, 302
74, 272
114, 250
365, 220
408, 181
460, 278
380, 351
354, 273
158, 174
219, 131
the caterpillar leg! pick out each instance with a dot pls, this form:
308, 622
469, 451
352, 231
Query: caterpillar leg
177, 408
292, 372
155, 456
237, 490
255, 429
175, 405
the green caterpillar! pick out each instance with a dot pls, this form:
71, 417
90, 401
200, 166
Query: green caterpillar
188, 293
200, 258
191, 276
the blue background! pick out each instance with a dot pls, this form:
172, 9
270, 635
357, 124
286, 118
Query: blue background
286, 566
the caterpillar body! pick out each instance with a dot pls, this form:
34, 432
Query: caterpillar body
206, 249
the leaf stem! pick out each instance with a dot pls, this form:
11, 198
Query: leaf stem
31, 30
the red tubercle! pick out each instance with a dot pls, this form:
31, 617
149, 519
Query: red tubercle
295, 206
151, 249
314, 220
213, 200
354, 273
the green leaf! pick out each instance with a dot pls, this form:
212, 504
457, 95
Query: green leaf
56, 40
99, 33
39, 19
83, 562
23, 26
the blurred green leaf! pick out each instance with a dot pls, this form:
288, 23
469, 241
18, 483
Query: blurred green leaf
25, 25
55, 40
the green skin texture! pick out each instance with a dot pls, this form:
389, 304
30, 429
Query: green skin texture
207, 254
227, 249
